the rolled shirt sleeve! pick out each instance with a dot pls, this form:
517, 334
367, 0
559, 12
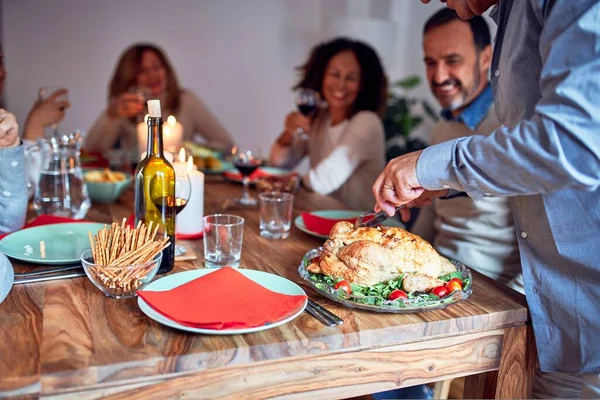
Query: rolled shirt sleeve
13, 189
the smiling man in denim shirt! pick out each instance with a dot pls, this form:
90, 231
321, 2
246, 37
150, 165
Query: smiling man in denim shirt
546, 158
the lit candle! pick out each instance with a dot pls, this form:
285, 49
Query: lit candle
180, 165
172, 134
188, 224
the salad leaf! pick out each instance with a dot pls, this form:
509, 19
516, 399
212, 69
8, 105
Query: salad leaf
455, 274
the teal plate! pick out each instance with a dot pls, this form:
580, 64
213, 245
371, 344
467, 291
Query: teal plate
338, 214
272, 282
50, 244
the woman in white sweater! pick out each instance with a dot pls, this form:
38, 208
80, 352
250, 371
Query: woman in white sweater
145, 67
346, 141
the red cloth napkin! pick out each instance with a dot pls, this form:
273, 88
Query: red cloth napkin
259, 173
224, 299
46, 220
322, 225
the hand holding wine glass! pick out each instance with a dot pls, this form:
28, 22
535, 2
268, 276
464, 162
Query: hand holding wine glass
128, 104
307, 101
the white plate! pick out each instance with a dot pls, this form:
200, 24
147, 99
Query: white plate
7, 276
272, 282
338, 214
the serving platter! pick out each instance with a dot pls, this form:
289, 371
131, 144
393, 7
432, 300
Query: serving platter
416, 302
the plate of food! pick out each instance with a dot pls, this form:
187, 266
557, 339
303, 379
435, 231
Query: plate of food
384, 269
105, 186
262, 172
319, 223
211, 164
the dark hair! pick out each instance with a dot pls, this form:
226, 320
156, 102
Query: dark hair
372, 95
129, 66
479, 28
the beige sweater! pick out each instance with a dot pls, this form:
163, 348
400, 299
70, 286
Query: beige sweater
194, 116
345, 159
480, 234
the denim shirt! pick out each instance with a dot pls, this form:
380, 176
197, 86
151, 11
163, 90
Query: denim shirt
546, 156
475, 112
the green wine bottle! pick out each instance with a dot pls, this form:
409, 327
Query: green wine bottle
155, 187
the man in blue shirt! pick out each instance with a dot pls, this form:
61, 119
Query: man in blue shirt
479, 234
546, 158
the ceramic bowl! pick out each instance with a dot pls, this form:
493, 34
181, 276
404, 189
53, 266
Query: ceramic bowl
106, 192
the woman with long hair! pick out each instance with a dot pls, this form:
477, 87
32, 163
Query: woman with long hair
346, 141
144, 71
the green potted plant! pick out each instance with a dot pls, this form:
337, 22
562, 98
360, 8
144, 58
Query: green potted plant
400, 120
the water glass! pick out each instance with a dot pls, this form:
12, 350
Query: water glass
223, 235
275, 210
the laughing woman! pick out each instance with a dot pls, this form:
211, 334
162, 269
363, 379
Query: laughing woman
346, 141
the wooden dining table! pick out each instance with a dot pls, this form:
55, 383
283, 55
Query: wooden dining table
66, 339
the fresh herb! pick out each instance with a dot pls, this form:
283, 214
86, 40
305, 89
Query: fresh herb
377, 295
455, 274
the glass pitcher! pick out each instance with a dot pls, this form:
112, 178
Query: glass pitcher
59, 188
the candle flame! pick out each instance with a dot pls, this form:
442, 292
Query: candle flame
171, 120
190, 166
182, 155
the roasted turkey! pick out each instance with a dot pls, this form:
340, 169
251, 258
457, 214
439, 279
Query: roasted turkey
368, 256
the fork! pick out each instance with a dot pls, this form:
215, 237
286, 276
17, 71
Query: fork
378, 217
325, 313
45, 271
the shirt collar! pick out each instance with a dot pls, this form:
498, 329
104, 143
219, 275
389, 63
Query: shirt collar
495, 13
475, 112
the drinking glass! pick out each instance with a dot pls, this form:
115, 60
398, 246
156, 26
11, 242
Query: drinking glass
307, 101
275, 209
223, 235
183, 191
246, 160
60, 190
44, 93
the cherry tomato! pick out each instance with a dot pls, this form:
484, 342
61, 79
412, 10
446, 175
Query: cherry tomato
453, 286
440, 291
315, 260
460, 282
397, 294
344, 285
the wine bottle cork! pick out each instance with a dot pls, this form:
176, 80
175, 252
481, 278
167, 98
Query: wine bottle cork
154, 108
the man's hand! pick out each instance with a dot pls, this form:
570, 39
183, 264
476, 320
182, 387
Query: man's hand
398, 184
421, 201
9, 130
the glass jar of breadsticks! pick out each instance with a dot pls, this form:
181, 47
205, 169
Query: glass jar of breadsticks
123, 260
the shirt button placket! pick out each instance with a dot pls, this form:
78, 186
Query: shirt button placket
524, 235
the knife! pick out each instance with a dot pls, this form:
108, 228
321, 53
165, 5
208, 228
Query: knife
44, 278
377, 217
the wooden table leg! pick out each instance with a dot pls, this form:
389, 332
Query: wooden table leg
517, 366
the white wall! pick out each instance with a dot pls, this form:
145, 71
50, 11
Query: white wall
237, 55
